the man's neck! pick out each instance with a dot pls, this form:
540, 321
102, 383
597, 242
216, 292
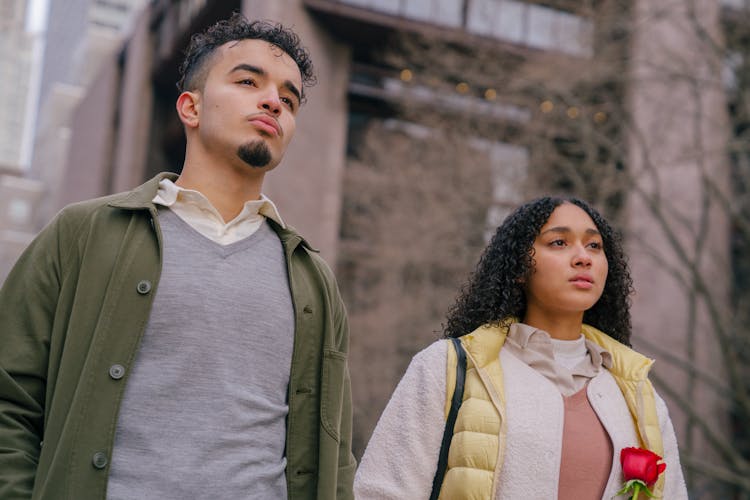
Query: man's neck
227, 190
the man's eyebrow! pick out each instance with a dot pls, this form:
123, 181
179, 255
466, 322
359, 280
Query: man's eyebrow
248, 67
565, 229
291, 87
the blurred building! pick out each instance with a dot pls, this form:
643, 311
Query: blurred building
21, 45
107, 123
49, 51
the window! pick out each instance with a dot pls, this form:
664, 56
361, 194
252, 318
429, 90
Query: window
532, 25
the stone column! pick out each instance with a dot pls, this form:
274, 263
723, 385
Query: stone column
678, 233
307, 185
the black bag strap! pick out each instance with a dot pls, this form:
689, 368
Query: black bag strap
458, 398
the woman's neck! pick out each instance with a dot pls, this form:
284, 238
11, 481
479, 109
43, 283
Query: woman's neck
559, 326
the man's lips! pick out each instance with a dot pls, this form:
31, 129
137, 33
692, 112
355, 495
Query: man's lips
267, 124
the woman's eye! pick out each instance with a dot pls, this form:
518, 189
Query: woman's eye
557, 243
289, 102
596, 245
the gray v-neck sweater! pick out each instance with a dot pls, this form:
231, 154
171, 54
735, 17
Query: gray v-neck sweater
204, 410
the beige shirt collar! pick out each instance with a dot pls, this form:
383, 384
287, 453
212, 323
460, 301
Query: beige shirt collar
535, 348
170, 194
195, 209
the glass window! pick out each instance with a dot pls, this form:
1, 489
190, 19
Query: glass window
509, 167
514, 21
448, 12
573, 34
445, 12
737, 4
511, 21
482, 16
370, 4
389, 6
541, 32
418, 9
732, 63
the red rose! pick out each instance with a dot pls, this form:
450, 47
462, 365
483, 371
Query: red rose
640, 464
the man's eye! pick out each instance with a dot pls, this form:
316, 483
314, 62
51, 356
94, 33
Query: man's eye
289, 102
247, 81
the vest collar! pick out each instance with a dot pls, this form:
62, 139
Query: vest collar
626, 363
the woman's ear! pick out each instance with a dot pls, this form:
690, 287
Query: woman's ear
188, 108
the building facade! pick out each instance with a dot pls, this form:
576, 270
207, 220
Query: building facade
405, 161
21, 44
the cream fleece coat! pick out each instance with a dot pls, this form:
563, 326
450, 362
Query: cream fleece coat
401, 457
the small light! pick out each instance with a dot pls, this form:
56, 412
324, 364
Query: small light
600, 117
546, 106
406, 75
462, 88
573, 112
490, 94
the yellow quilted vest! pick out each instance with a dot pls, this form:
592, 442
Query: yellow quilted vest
478, 445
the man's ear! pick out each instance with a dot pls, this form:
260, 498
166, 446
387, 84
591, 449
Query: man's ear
188, 108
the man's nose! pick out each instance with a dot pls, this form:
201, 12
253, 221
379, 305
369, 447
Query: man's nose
271, 103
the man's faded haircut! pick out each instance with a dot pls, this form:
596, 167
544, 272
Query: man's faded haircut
194, 68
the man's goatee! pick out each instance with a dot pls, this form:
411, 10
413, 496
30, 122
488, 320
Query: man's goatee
256, 154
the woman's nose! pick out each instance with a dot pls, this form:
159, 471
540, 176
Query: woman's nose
581, 258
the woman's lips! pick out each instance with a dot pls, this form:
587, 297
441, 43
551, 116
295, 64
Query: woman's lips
582, 281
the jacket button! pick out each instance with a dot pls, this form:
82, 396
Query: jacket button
307, 309
116, 371
144, 286
99, 460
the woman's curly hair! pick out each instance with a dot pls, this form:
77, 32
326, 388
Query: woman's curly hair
496, 289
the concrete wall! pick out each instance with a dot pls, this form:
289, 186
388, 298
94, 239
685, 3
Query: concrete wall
307, 185
135, 109
679, 235
18, 200
85, 172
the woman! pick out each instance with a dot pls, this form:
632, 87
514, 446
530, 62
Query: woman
552, 392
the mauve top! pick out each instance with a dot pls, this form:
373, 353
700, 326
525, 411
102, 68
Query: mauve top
587, 452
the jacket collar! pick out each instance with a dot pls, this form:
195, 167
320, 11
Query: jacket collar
289, 236
141, 198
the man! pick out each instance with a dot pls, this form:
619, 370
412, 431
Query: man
179, 340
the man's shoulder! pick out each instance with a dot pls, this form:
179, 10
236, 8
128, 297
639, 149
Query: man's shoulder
86, 207
76, 216
293, 241
138, 197
319, 264
305, 258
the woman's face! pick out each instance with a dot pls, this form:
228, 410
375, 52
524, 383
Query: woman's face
570, 267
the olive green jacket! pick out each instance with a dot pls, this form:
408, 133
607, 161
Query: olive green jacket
72, 313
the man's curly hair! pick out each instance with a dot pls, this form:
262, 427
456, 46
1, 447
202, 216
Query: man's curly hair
496, 289
203, 45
